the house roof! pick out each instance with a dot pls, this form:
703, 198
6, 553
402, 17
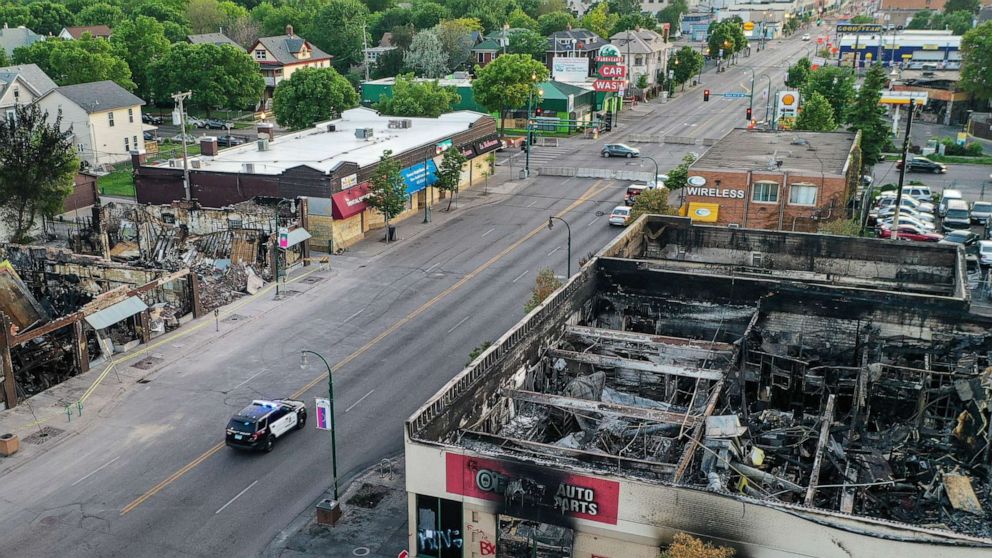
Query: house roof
582, 39
641, 41
96, 30
284, 48
487, 44
212, 39
31, 75
560, 90
99, 96
16, 37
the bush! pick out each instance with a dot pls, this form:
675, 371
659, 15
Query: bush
951, 147
545, 284
841, 227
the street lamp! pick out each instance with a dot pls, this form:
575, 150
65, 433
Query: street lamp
550, 226
656, 172
305, 365
278, 249
530, 98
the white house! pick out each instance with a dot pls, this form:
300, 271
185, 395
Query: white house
105, 118
644, 52
21, 85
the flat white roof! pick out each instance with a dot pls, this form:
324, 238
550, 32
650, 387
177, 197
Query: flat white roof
322, 150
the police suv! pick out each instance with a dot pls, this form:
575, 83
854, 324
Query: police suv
258, 425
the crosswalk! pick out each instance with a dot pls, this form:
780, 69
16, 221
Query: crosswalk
539, 155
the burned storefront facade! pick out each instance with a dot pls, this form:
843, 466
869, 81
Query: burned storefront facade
787, 394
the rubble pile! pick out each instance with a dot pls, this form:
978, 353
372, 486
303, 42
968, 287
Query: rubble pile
219, 287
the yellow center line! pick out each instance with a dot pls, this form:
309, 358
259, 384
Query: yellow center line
593, 190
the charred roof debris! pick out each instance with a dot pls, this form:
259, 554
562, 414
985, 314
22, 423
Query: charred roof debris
127, 273
840, 381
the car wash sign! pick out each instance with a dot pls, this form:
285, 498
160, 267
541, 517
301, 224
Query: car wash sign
532, 492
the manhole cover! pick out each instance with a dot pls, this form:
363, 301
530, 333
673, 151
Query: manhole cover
233, 318
45, 434
368, 496
146, 363
312, 280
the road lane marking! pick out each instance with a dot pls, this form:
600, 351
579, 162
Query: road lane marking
487, 232
553, 251
348, 319
95, 471
520, 276
588, 195
428, 270
454, 327
264, 370
589, 224
531, 204
359, 401
231, 501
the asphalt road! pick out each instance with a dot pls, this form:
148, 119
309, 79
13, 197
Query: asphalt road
149, 478
972, 180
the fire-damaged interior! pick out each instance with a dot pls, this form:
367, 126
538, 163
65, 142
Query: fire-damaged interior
797, 386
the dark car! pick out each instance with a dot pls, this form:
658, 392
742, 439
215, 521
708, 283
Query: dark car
151, 119
619, 150
922, 164
217, 124
150, 136
258, 425
229, 141
966, 238
911, 232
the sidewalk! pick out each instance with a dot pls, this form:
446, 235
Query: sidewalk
373, 523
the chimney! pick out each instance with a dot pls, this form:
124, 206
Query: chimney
138, 158
265, 129
289, 30
208, 145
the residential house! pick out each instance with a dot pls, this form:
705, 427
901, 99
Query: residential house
212, 39
492, 45
898, 13
645, 52
281, 55
21, 85
17, 37
105, 118
75, 32
572, 43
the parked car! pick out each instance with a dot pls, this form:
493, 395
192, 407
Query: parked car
197, 122
806, 36
633, 191
945, 197
619, 150
919, 192
229, 141
981, 211
150, 136
957, 216
178, 138
258, 425
909, 220
910, 232
965, 238
922, 164
217, 124
888, 199
985, 252
889, 212
620, 216
151, 119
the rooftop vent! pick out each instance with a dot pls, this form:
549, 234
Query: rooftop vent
401, 124
195, 163
248, 168
364, 133
332, 128
263, 145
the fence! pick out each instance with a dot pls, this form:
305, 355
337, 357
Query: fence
681, 140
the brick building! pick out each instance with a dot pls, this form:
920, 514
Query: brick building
774, 180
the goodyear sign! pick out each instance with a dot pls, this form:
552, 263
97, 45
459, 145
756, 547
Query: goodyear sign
858, 28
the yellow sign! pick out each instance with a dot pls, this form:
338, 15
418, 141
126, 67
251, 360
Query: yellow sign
704, 212
930, 47
788, 99
867, 56
748, 25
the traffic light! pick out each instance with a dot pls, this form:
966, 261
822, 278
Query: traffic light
748, 114
706, 94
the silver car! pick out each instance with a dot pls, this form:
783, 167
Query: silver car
981, 211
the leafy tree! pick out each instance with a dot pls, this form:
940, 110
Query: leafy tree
244, 31
507, 82
274, 19
549, 7
685, 63
653, 201
48, 18
673, 12
388, 64
868, 116
633, 21
554, 22
417, 98
862, 19
4, 58
528, 42
16, 16
816, 115
219, 76
456, 41
428, 14
140, 42
470, 23
624, 7
726, 36
478, 350
958, 22
208, 16
387, 192
379, 5
427, 56
518, 19
402, 36
798, 73
37, 167
387, 20
970, 6
835, 84
337, 29
491, 13
80, 61
599, 20
312, 95
678, 177
450, 173
101, 13
545, 284
841, 227
921, 20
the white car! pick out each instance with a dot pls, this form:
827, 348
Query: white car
985, 252
908, 220
981, 211
888, 199
260, 424
620, 216
178, 138
806, 37
194, 121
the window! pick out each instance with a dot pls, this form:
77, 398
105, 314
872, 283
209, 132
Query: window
11, 115
17, 94
110, 118
130, 115
764, 192
79, 148
134, 140
638, 60
439, 526
802, 194
260, 54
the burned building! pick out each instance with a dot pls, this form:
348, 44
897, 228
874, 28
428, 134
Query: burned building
787, 394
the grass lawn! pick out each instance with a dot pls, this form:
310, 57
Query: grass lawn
961, 160
118, 183
169, 150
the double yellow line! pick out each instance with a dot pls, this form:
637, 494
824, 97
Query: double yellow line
593, 190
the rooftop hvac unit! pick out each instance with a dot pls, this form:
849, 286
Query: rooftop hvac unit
195, 163
332, 128
406, 123
460, 75
363, 133
263, 145
248, 168
175, 163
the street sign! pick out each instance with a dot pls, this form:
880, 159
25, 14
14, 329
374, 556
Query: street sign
608, 85
613, 71
403, 554
283, 238
859, 28
323, 413
735, 95
442, 147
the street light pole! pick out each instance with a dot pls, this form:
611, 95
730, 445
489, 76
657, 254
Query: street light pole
278, 249
305, 364
656, 171
567, 227
750, 102
768, 95
180, 98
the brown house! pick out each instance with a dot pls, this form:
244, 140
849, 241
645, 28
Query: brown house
774, 180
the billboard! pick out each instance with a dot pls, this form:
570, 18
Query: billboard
858, 28
568, 68
419, 176
786, 107
323, 414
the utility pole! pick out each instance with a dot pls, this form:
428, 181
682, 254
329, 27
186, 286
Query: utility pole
902, 171
365, 51
180, 98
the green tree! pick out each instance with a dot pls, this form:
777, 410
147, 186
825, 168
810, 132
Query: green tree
545, 284
387, 192
388, 64
387, 20
528, 42
816, 115
653, 201
456, 40
140, 42
673, 12
959, 22
417, 98
685, 63
338, 29
599, 20
862, 19
219, 76
624, 7
518, 19
724, 37
37, 167
507, 82
312, 95
970, 6
101, 13
207, 16
4, 58
798, 73
554, 22
48, 18
379, 5
427, 57
835, 84
633, 21
80, 61
921, 20
274, 19
545, 7
450, 173
867, 116
678, 177
491, 13
15, 16
428, 14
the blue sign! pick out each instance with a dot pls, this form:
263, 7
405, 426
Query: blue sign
735, 95
416, 178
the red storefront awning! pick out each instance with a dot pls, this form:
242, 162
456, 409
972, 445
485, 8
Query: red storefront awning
349, 202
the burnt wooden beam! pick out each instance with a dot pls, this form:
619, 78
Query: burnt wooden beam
821, 443
50, 327
705, 349
585, 405
604, 361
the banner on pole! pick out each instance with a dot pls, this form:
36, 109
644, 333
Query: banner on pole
323, 413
